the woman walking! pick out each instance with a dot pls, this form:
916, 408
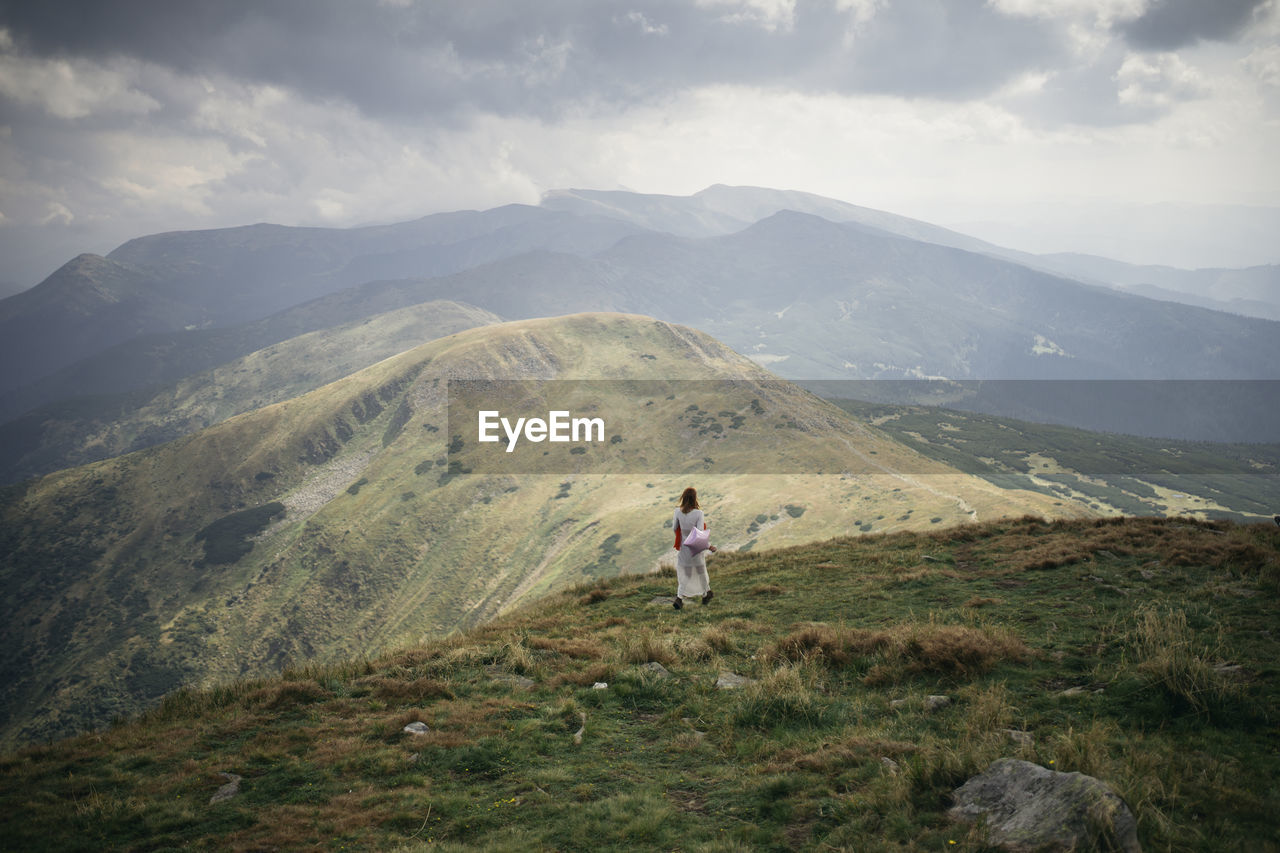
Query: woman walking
691, 568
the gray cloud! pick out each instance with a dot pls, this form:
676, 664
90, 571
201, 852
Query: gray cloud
120, 117
1171, 24
535, 58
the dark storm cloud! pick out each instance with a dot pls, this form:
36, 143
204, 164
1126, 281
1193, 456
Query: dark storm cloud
1171, 24
437, 57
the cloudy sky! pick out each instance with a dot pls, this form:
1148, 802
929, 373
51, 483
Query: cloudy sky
1063, 124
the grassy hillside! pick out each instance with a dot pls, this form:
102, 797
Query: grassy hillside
1142, 652
90, 429
334, 524
1110, 473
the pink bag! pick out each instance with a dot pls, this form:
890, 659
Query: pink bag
697, 541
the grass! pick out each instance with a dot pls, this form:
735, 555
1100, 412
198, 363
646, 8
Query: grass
1141, 651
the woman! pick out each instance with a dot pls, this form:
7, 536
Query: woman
691, 569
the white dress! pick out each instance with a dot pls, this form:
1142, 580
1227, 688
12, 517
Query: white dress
691, 569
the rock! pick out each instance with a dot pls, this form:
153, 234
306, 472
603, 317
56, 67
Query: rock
600, 685
1071, 692
1026, 807
1020, 737
657, 669
510, 678
732, 681
418, 728
936, 703
897, 703
890, 765
228, 790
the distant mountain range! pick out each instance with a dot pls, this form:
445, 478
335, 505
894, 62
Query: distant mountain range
810, 287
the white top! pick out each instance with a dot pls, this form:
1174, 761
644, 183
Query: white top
687, 521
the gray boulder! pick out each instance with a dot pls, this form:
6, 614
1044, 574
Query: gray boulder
1028, 808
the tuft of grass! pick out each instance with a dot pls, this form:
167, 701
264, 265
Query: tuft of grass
1175, 659
646, 646
783, 698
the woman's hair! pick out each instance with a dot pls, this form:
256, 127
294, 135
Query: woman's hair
689, 499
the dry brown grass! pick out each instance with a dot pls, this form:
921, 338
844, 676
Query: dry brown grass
586, 676
415, 690
588, 648
954, 650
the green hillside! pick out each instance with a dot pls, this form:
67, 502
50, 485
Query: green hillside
86, 430
1143, 652
335, 524
1109, 473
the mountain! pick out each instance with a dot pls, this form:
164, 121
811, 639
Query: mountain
884, 671
166, 283
810, 298
1253, 291
878, 296
815, 299
87, 429
720, 210
357, 516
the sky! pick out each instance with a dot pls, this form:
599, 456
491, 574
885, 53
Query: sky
1147, 130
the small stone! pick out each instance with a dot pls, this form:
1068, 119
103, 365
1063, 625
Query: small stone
1020, 737
657, 669
228, 790
936, 703
897, 703
1071, 692
418, 728
600, 685
890, 765
732, 681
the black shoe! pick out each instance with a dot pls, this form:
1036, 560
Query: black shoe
706, 599
678, 603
